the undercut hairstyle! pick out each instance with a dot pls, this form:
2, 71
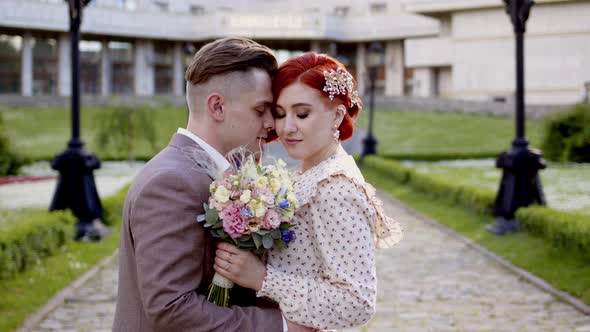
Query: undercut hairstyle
308, 69
227, 55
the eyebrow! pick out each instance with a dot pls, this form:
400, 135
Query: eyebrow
263, 103
300, 105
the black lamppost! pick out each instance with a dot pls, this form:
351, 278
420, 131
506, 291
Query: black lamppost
76, 189
375, 60
520, 184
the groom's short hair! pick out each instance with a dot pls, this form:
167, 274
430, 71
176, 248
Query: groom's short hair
227, 55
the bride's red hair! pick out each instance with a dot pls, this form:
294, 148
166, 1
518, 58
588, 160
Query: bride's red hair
308, 69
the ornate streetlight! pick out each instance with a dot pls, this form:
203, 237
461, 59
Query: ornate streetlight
520, 184
76, 189
375, 59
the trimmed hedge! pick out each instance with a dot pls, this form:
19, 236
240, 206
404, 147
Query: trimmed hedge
441, 156
23, 244
564, 229
470, 197
41, 235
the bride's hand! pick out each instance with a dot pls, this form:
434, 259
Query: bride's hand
240, 266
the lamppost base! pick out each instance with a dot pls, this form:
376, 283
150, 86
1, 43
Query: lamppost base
76, 190
369, 145
502, 226
91, 231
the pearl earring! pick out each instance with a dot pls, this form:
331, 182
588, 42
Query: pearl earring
336, 134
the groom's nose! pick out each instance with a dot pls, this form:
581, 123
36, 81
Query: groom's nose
268, 122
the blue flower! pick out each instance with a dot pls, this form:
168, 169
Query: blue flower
246, 212
284, 204
288, 235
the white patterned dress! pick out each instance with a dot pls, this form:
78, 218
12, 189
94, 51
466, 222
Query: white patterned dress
326, 277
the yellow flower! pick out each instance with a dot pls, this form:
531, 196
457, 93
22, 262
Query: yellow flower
275, 185
258, 208
246, 196
262, 182
221, 194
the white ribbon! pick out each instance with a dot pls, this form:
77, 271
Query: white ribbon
222, 281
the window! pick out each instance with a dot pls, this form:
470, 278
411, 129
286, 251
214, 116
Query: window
225, 9
90, 67
121, 55
162, 6
10, 64
341, 10
45, 66
163, 67
197, 10
378, 8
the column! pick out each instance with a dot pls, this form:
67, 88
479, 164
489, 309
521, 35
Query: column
144, 68
314, 46
27, 65
361, 68
64, 82
394, 68
178, 70
106, 77
424, 84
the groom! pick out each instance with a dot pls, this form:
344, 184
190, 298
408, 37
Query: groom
166, 257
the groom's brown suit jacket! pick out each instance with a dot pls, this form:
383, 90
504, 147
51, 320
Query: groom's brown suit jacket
166, 257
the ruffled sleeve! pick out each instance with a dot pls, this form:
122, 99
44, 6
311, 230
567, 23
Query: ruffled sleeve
385, 231
344, 293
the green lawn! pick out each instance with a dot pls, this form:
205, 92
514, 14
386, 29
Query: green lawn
565, 270
566, 186
42, 133
415, 133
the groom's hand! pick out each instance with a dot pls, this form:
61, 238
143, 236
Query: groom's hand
240, 266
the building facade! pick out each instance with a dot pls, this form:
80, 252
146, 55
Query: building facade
450, 48
473, 55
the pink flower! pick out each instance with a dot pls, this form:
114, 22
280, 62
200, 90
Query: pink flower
234, 223
272, 219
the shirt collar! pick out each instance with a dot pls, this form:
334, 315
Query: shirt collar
219, 159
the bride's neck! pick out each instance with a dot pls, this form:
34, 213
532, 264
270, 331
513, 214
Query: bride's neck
318, 157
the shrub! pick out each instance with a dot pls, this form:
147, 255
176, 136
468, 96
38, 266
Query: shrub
30, 240
564, 229
43, 233
10, 162
473, 198
567, 135
119, 128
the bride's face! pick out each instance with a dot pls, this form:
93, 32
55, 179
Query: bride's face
304, 121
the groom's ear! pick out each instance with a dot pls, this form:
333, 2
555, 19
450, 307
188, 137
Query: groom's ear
215, 106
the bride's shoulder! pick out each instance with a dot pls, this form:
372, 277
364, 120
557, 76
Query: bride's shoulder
338, 172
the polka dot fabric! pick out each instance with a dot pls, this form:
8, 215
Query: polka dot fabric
326, 277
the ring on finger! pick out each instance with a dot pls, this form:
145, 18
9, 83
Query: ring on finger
227, 266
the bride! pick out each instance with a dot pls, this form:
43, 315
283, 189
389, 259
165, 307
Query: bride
326, 277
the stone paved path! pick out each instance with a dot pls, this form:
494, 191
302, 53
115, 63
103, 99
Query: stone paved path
429, 282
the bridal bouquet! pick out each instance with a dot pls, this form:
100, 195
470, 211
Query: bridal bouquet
251, 206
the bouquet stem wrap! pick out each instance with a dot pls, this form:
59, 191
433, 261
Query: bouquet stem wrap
219, 290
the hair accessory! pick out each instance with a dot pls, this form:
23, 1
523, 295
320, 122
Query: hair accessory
338, 82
